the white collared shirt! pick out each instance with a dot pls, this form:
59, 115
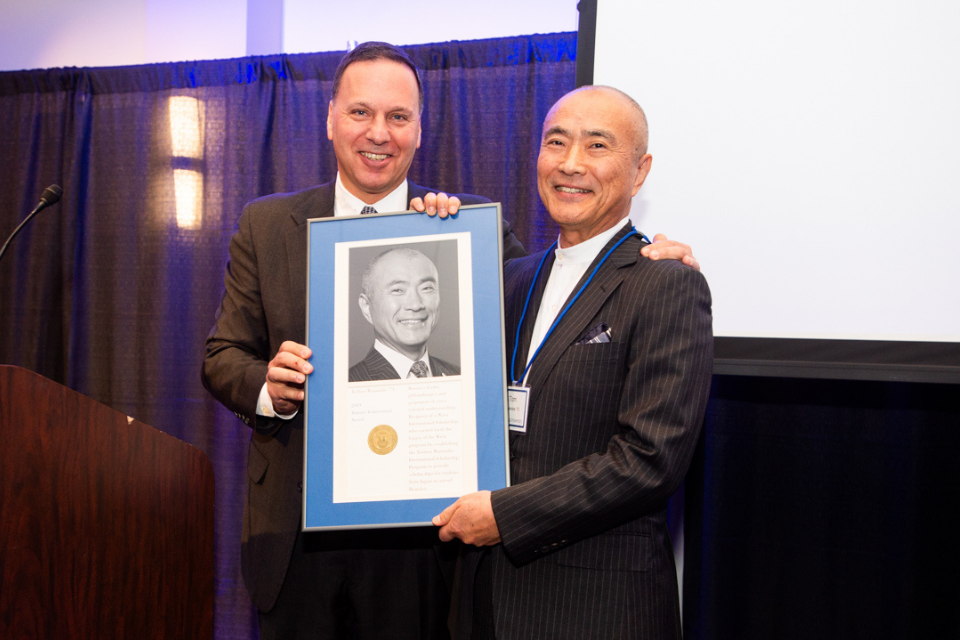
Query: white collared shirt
401, 362
347, 204
568, 268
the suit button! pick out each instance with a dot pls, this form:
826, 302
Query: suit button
300, 487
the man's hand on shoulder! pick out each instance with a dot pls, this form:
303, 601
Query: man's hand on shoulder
434, 203
286, 374
663, 249
470, 519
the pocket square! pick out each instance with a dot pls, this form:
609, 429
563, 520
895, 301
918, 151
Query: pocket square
600, 333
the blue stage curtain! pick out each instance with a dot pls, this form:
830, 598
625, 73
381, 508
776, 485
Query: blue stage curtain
109, 294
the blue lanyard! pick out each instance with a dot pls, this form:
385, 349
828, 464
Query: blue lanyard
526, 304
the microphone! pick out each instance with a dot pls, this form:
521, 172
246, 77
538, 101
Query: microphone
51, 195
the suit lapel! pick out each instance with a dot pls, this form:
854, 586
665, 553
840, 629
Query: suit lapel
414, 191
526, 331
380, 368
320, 205
573, 324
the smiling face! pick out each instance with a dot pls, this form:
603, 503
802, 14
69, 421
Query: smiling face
374, 123
592, 161
400, 299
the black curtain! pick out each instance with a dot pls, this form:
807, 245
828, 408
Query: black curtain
824, 509
109, 294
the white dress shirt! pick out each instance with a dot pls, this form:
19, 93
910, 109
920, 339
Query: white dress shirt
401, 362
347, 204
568, 268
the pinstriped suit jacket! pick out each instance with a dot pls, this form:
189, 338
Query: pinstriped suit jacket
376, 367
611, 430
263, 305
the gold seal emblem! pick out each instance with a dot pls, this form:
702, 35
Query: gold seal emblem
382, 439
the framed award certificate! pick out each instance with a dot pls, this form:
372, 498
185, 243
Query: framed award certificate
406, 408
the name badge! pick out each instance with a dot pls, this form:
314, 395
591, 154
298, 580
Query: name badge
517, 398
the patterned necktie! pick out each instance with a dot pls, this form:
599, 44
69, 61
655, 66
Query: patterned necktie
419, 369
367, 209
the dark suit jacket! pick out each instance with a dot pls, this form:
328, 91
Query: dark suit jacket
610, 432
376, 367
264, 305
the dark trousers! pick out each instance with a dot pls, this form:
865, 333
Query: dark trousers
483, 625
364, 585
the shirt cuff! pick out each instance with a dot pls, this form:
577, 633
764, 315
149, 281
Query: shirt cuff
265, 406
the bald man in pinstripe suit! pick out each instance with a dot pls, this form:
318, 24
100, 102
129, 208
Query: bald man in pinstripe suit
578, 546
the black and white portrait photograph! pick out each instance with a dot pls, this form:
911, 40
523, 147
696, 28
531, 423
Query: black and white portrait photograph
404, 402
404, 317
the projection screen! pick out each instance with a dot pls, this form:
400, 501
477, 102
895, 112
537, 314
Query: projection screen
810, 153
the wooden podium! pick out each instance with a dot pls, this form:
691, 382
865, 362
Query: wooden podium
106, 524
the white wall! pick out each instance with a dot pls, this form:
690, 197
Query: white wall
57, 33
194, 30
65, 33
309, 25
39, 34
